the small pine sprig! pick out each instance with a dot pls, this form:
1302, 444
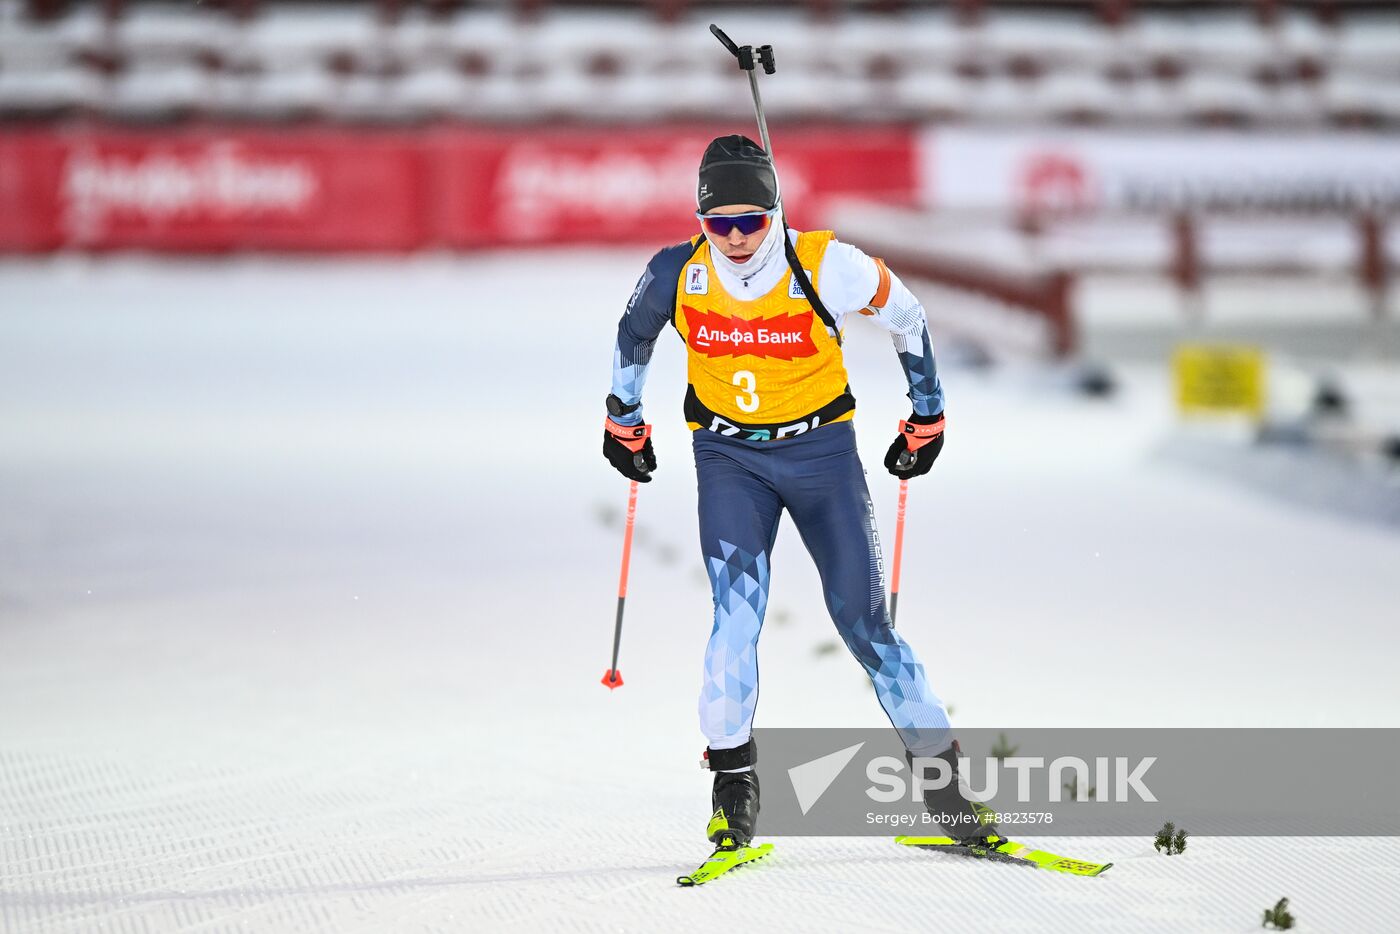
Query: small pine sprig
1072, 788
1170, 839
1278, 917
1003, 747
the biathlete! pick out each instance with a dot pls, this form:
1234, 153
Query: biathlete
770, 411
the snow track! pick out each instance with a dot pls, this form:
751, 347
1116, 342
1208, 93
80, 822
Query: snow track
307, 577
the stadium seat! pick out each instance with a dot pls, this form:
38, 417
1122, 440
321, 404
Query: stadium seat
1000, 99
157, 33
1151, 101
1294, 103
1370, 43
816, 95
491, 41
367, 97
588, 44
708, 93
1302, 37
1158, 39
433, 89
47, 92
291, 93
30, 48
563, 93
1201, 63
1212, 97
1359, 99
1229, 42
931, 95
498, 97
861, 40
295, 36
638, 96
157, 91
1081, 97
1047, 42
927, 41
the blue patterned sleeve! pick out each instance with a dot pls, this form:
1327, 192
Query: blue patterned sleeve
648, 311
903, 316
925, 390
854, 282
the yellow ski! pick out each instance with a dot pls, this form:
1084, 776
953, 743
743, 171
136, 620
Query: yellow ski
725, 857
1003, 849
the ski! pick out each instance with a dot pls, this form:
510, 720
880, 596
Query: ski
1010, 851
722, 860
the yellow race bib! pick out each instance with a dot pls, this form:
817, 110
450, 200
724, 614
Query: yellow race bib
763, 369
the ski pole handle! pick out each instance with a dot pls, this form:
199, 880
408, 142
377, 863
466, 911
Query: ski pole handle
898, 549
612, 678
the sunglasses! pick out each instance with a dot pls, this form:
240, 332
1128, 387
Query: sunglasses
747, 224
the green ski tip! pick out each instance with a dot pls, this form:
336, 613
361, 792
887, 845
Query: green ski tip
721, 861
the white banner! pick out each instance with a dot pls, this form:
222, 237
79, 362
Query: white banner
1091, 171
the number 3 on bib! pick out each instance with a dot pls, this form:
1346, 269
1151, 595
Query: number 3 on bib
746, 381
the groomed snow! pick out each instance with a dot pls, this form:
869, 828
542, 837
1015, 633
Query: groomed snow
307, 578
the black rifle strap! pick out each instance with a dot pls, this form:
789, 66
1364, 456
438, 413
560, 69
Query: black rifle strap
806, 283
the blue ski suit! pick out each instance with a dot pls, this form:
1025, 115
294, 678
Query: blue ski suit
771, 419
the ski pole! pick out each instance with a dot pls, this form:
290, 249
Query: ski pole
916, 436
898, 542
612, 678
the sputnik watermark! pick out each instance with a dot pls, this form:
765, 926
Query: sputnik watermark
1119, 777
1098, 782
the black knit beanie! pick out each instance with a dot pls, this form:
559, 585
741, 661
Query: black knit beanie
736, 170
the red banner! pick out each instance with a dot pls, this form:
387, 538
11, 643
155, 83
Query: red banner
214, 189
607, 186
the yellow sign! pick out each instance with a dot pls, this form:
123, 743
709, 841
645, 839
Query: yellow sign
1219, 378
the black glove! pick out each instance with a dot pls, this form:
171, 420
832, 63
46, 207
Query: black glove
628, 448
914, 451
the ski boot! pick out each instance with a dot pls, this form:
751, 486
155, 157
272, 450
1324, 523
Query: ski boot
735, 796
969, 822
